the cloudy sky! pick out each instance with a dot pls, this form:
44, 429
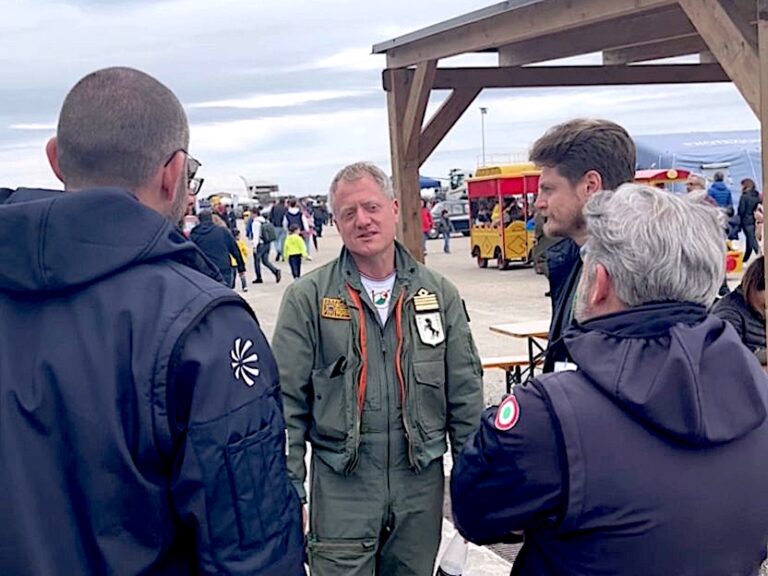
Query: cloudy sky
287, 90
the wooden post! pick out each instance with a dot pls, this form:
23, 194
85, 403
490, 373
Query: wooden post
405, 168
762, 34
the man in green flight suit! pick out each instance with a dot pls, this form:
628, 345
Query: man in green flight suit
377, 364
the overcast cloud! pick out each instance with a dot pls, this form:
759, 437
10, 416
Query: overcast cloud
287, 90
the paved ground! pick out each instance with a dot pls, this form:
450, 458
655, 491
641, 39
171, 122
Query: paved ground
492, 296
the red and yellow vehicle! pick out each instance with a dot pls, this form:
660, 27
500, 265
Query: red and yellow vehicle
501, 212
661, 177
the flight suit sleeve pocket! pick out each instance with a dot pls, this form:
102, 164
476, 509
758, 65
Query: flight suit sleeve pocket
259, 487
329, 400
430, 395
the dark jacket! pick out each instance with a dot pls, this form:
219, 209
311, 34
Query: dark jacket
748, 203
636, 463
140, 428
276, 215
721, 194
564, 264
218, 245
749, 325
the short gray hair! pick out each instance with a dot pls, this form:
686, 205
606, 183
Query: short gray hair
358, 170
656, 246
116, 128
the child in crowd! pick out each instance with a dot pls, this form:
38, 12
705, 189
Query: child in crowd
294, 250
243, 247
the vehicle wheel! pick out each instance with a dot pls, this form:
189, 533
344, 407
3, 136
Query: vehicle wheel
482, 262
432, 234
465, 233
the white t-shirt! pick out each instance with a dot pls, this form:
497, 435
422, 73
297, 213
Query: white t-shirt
380, 293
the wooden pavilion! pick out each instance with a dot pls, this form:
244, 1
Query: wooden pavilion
730, 38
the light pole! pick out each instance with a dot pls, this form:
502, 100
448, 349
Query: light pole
483, 112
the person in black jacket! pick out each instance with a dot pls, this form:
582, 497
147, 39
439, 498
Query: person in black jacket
141, 426
748, 203
577, 159
745, 309
218, 244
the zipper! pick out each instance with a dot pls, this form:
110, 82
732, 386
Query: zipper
362, 380
400, 377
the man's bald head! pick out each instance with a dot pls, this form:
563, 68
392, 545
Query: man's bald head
116, 128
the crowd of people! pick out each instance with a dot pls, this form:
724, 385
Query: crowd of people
149, 427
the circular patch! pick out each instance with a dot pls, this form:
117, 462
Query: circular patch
508, 413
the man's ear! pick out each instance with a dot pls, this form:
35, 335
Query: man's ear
602, 287
52, 151
593, 182
396, 209
169, 182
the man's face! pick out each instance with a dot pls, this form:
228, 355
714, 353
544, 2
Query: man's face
561, 203
365, 217
691, 184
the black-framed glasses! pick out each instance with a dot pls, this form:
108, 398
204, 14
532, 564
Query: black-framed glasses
193, 164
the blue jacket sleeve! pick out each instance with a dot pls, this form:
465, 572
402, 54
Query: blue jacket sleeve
230, 485
508, 481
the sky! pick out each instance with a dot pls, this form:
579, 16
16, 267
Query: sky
288, 91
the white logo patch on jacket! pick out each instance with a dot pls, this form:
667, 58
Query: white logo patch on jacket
244, 365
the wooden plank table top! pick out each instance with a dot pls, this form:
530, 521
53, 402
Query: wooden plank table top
533, 329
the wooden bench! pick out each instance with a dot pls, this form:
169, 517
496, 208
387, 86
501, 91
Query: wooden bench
513, 365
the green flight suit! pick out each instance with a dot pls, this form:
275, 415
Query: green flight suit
377, 404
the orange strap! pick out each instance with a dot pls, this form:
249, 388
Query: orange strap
398, 355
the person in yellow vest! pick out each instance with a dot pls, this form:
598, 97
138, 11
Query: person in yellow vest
295, 250
243, 247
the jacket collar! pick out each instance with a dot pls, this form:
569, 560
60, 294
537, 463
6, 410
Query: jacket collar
405, 267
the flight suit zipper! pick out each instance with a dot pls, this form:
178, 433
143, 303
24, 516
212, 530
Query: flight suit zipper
400, 376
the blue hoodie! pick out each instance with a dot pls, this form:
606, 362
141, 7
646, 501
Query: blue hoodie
140, 429
650, 459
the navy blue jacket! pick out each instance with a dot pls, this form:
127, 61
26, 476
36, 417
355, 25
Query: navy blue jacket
141, 427
649, 460
564, 266
218, 245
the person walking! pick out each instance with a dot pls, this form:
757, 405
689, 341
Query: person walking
378, 370
748, 203
426, 224
218, 245
264, 235
277, 218
445, 227
243, 248
142, 427
295, 250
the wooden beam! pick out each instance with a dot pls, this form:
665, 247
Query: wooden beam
561, 76
523, 23
732, 40
405, 169
762, 31
662, 24
444, 119
655, 51
418, 98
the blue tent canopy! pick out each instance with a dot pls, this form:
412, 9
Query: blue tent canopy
426, 182
736, 153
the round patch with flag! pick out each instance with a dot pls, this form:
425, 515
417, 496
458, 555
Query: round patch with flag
508, 413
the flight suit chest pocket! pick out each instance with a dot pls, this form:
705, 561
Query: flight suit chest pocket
329, 399
430, 394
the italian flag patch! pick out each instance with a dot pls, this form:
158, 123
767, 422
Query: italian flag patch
507, 414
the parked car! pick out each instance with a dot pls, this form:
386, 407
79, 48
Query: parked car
458, 213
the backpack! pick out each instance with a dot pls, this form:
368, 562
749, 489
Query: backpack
268, 233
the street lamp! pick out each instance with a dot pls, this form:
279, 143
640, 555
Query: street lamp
483, 112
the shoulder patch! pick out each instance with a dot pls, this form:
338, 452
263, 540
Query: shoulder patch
507, 414
335, 309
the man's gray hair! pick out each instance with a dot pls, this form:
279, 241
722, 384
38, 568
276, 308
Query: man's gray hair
356, 171
117, 126
656, 246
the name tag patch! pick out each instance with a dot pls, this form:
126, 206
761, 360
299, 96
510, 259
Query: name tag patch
335, 309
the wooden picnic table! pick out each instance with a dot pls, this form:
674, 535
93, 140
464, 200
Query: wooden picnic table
534, 332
